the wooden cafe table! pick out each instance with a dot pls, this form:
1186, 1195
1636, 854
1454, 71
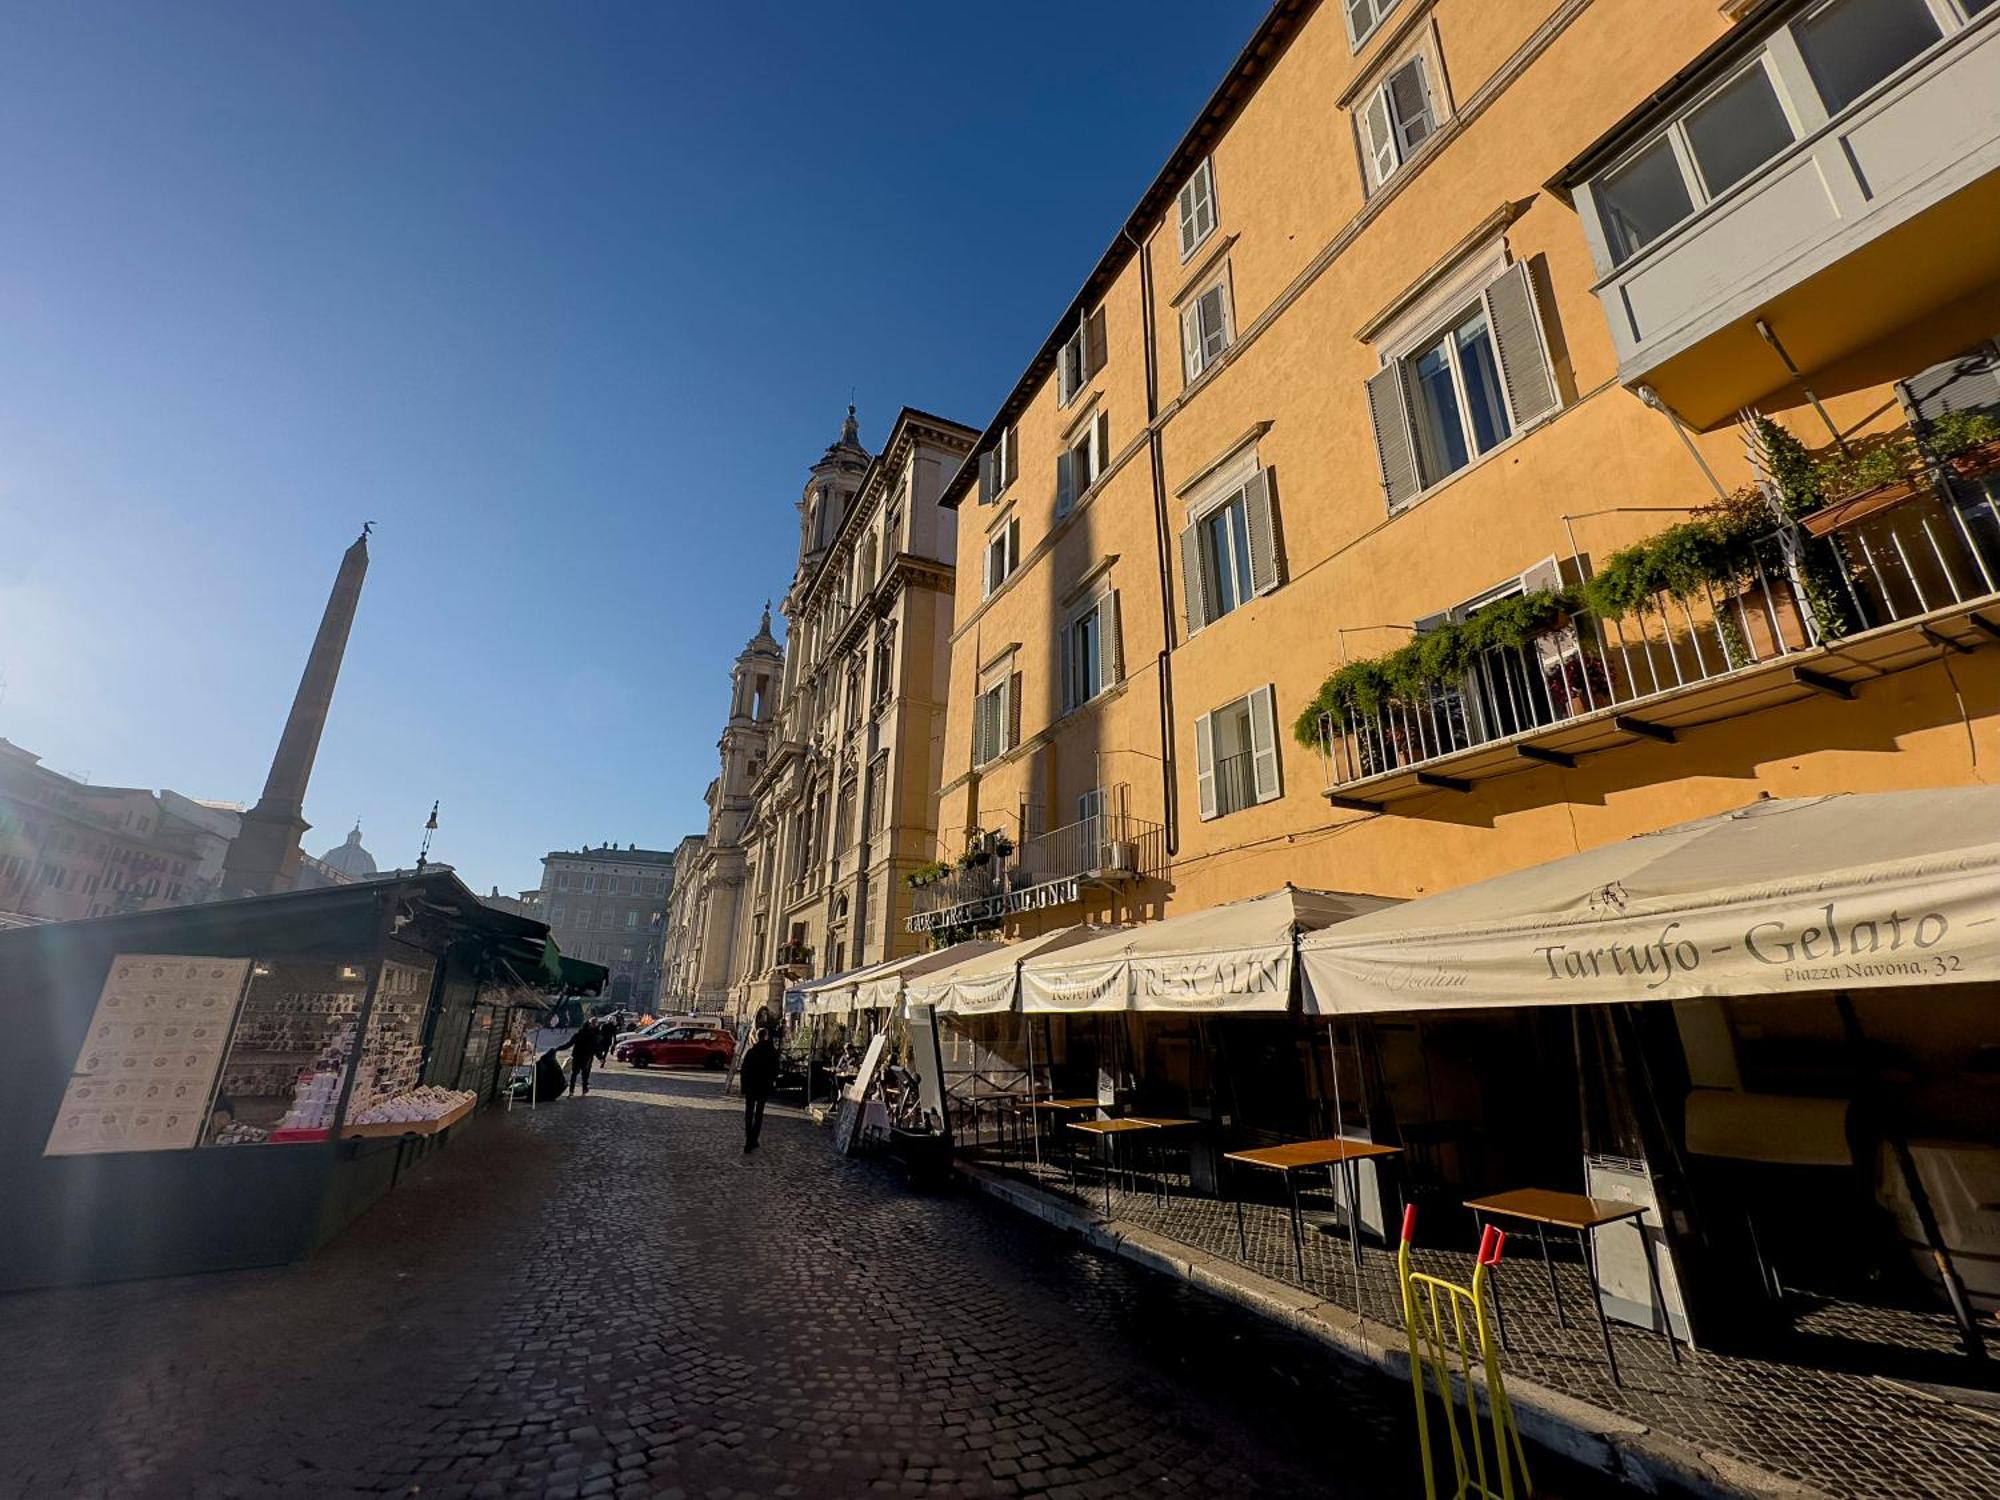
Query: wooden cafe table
1582, 1216
1307, 1156
1050, 1109
1112, 1131
1165, 1123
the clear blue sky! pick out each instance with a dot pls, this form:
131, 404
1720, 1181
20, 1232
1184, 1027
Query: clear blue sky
564, 297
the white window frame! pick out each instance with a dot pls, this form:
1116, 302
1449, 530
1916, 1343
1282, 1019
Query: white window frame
993, 714
1381, 97
1104, 606
1004, 542
1378, 12
999, 466
1069, 386
1196, 361
1092, 438
1197, 195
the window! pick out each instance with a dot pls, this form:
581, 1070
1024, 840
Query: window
999, 466
1230, 551
1643, 199
1462, 389
885, 662
1003, 554
1079, 466
1081, 356
583, 916
1397, 118
611, 885
1363, 16
892, 525
996, 721
1852, 45
606, 917
1236, 755
1196, 206
556, 914
631, 921
1737, 129
562, 881
1090, 651
590, 882
1206, 328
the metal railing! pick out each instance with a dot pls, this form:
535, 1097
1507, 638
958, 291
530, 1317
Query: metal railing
1109, 845
1235, 783
1828, 578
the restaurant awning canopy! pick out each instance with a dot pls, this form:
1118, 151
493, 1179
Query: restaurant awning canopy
1841, 892
1236, 957
881, 988
986, 983
835, 992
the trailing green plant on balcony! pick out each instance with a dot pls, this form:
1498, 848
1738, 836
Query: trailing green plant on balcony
1957, 432
1436, 658
927, 874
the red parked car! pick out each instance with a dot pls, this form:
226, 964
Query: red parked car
679, 1047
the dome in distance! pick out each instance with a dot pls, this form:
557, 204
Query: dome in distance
350, 859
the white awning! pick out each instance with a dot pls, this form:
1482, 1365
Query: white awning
881, 987
986, 984
836, 992
1229, 958
1842, 892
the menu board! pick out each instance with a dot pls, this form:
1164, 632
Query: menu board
147, 1067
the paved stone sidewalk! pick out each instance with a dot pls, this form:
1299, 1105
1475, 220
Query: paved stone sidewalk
606, 1297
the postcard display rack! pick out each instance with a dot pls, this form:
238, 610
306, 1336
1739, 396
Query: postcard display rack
189, 1051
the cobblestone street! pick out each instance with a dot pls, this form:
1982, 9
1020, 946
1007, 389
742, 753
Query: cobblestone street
606, 1296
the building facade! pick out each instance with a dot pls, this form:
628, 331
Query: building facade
844, 809
608, 905
677, 952
70, 850
706, 949
1499, 430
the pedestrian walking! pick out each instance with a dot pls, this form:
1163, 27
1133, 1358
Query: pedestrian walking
758, 1073
582, 1054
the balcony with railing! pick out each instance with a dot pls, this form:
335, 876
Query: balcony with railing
1111, 848
1775, 611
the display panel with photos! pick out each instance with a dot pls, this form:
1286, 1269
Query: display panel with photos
143, 1077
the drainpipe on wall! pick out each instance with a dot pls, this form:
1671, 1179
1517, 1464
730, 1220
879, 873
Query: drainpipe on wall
1169, 803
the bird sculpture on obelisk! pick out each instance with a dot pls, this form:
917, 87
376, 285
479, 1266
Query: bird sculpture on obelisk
264, 858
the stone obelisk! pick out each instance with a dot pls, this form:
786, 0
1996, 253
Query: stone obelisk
265, 855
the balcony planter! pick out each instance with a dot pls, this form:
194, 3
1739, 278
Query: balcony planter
1979, 461
1858, 507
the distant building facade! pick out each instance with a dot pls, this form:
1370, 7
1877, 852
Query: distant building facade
608, 905
71, 850
711, 922
677, 952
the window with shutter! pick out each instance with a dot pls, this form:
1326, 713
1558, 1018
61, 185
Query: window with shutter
1378, 137
1264, 766
1010, 456
1969, 383
1205, 327
1260, 506
1012, 739
1013, 546
1193, 583
1393, 448
1093, 343
1065, 482
1398, 116
1197, 209
1111, 666
1204, 767
1514, 314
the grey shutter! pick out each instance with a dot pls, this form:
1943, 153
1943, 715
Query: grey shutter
982, 720
1392, 434
1103, 455
1065, 483
1378, 136
1204, 765
1264, 743
1010, 466
1261, 512
1013, 546
1013, 711
1969, 383
1191, 341
1194, 579
1515, 314
1069, 698
1093, 341
1110, 667
987, 468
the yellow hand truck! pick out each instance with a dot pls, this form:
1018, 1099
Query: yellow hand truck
1443, 1321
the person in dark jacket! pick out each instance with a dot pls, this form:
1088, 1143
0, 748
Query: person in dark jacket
758, 1073
607, 1033
582, 1055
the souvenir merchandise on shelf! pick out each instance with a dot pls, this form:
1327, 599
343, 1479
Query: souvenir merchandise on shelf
392, 1057
420, 1111
293, 1039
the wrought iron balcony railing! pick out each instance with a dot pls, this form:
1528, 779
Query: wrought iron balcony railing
1110, 846
1890, 558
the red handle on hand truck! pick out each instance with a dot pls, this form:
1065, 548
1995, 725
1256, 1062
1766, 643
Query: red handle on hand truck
1409, 1222
1490, 1246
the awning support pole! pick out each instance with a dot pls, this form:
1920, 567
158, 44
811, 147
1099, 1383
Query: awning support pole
1920, 1200
1034, 1120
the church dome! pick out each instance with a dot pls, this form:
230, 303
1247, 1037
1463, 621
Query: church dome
350, 859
